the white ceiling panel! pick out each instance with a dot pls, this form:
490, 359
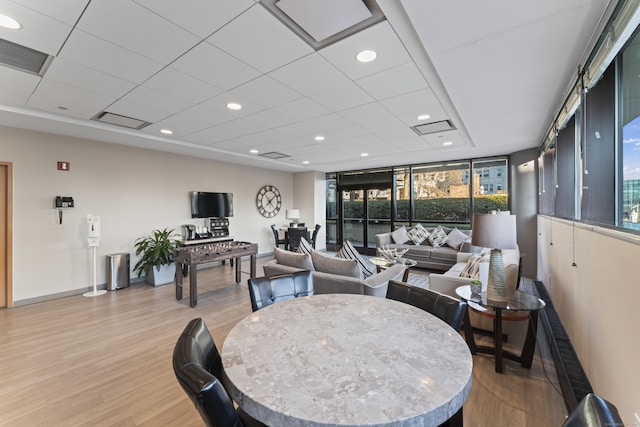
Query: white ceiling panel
34, 24
210, 64
266, 91
418, 102
392, 82
226, 131
200, 17
16, 85
76, 75
100, 55
200, 113
373, 117
271, 45
219, 103
79, 103
181, 85
380, 38
137, 111
328, 122
302, 109
179, 125
147, 97
67, 11
270, 118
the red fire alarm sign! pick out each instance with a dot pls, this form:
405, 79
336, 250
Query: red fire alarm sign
64, 166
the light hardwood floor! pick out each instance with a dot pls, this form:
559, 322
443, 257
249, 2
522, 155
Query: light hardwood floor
106, 361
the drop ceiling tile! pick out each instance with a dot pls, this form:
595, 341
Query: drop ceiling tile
90, 51
137, 111
129, 25
266, 91
373, 117
67, 11
181, 85
209, 64
347, 132
436, 114
200, 17
226, 131
271, 44
219, 103
269, 118
302, 109
203, 114
80, 103
398, 133
34, 25
179, 125
419, 102
16, 86
297, 129
380, 38
151, 98
328, 122
72, 74
315, 78
395, 81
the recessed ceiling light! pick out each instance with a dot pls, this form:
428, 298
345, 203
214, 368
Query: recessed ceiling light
319, 138
364, 154
166, 131
424, 117
234, 106
9, 22
254, 151
446, 143
305, 162
366, 55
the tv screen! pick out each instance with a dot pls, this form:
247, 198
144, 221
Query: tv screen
207, 205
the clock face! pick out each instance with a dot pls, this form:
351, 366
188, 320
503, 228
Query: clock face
268, 201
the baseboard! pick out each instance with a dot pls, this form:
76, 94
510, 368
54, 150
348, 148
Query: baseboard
574, 383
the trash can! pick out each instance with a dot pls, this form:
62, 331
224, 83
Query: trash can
117, 271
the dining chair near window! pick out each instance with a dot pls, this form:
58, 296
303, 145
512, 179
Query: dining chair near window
276, 237
269, 290
314, 236
198, 367
448, 309
293, 237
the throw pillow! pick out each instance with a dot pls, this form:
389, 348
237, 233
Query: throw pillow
400, 236
437, 237
304, 247
293, 259
349, 252
333, 265
472, 267
456, 238
418, 234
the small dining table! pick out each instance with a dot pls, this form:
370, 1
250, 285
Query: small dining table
346, 360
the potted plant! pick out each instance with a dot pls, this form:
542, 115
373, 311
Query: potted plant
158, 252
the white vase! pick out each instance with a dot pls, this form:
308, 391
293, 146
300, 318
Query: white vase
162, 275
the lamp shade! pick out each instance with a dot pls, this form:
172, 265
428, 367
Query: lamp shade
293, 213
496, 231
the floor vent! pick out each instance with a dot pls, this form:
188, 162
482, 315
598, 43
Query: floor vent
433, 127
573, 380
118, 120
23, 58
274, 155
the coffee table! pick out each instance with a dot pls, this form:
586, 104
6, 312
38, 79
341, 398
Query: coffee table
383, 264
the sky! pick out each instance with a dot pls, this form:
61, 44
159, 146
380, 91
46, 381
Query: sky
631, 150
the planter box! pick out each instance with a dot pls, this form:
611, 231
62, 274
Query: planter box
162, 275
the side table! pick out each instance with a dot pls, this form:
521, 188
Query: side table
517, 301
383, 264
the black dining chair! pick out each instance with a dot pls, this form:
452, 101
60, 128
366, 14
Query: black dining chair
276, 237
448, 309
314, 236
269, 290
593, 411
294, 234
198, 368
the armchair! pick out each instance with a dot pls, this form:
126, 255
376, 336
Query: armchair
269, 290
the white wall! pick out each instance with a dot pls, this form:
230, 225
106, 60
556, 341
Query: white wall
597, 301
310, 192
133, 191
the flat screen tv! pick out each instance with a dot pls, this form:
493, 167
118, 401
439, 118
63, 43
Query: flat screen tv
208, 205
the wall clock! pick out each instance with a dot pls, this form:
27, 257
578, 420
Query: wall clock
268, 201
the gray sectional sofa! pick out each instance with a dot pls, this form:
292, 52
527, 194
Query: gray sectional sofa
441, 258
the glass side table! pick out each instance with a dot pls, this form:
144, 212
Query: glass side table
383, 264
517, 301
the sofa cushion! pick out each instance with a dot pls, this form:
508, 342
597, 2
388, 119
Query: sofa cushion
438, 237
334, 265
304, 247
456, 238
293, 259
418, 234
400, 235
349, 252
472, 267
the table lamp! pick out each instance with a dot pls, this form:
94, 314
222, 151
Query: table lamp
495, 230
293, 215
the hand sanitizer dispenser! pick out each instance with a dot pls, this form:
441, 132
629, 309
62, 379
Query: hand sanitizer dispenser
94, 230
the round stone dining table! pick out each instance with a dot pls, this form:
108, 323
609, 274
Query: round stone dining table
346, 360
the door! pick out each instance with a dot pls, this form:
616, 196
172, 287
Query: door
365, 213
5, 234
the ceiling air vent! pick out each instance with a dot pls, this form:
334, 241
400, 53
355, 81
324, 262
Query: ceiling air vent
434, 127
118, 120
274, 155
23, 58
